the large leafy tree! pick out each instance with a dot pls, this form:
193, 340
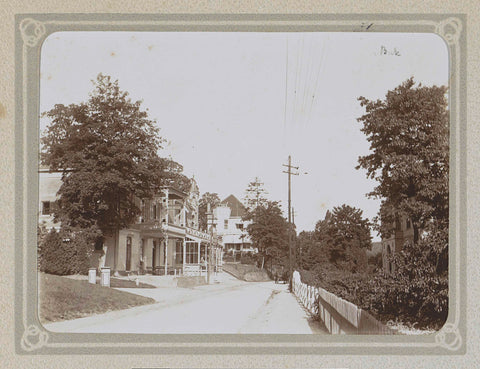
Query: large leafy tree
408, 135
170, 173
309, 250
344, 236
106, 148
207, 199
268, 230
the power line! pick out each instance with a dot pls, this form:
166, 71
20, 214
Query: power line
307, 80
286, 97
294, 109
320, 69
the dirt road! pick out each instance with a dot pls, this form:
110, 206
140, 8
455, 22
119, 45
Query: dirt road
228, 306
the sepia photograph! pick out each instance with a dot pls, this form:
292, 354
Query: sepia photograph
243, 183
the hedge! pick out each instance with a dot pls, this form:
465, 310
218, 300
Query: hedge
65, 252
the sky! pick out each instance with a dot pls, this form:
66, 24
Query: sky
233, 106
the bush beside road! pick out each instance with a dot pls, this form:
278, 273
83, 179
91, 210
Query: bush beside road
246, 272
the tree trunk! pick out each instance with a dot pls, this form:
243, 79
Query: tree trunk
415, 233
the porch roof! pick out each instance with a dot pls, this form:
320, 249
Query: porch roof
174, 193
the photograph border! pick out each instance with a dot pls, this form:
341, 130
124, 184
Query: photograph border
32, 338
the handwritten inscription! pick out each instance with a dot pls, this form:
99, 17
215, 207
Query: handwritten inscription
385, 51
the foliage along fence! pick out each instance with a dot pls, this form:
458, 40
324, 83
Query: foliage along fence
338, 315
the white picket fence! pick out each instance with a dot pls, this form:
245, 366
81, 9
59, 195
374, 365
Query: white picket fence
338, 315
194, 270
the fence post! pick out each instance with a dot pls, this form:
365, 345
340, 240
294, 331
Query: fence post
310, 298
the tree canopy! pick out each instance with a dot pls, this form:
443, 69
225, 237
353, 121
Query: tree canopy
408, 133
344, 236
255, 194
268, 230
409, 136
171, 174
106, 148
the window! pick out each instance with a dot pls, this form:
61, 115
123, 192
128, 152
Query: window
409, 224
46, 208
239, 226
191, 254
225, 224
179, 252
154, 211
128, 258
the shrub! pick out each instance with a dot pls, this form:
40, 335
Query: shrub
66, 252
228, 258
247, 259
417, 292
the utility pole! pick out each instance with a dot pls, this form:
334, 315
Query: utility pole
210, 243
290, 228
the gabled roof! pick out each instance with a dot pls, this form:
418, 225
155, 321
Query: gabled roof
236, 207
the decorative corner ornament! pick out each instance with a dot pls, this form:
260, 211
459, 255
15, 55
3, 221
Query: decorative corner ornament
449, 337
33, 331
450, 29
32, 31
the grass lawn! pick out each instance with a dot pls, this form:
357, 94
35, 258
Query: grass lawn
62, 298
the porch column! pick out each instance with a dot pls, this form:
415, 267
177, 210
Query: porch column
166, 254
207, 261
166, 206
156, 245
174, 253
198, 251
198, 258
184, 254
184, 216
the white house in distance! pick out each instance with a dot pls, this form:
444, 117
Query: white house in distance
230, 227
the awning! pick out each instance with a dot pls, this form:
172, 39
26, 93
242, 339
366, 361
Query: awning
190, 238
